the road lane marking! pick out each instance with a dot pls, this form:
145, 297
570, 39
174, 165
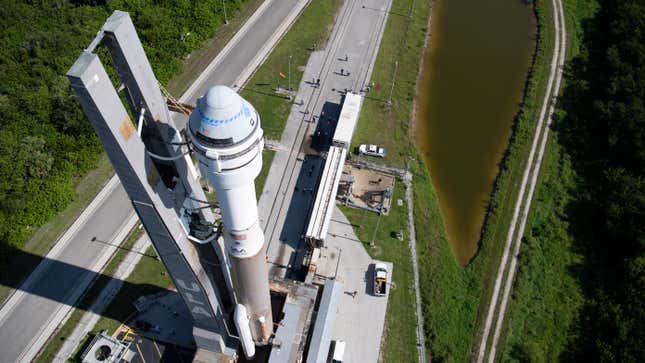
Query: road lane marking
139, 350
156, 347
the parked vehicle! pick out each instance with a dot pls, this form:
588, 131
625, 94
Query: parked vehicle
372, 150
339, 351
380, 279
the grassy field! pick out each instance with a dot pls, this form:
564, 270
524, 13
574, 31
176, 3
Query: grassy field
310, 31
546, 297
454, 298
56, 341
403, 42
267, 159
399, 343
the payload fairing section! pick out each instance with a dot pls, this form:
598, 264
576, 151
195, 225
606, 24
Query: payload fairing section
153, 163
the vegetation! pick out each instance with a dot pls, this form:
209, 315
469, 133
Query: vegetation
399, 334
42, 240
539, 331
46, 143
309, 32
452, 296
592, 210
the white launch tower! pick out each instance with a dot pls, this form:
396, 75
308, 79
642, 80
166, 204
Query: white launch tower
226, 134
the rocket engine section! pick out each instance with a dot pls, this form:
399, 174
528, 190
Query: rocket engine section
226, 134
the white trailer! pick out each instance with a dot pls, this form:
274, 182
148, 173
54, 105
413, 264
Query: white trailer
347, 120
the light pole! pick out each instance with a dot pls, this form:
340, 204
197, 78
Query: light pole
225, 17
396, 65
289, 72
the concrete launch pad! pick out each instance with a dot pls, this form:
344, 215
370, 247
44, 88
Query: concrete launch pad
161, 327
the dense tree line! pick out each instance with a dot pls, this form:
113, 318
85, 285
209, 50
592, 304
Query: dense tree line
46, 142
602, 127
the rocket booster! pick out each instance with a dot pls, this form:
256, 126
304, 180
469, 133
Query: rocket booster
226, 134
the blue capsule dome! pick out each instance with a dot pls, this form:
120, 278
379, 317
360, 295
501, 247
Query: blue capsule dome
223, 117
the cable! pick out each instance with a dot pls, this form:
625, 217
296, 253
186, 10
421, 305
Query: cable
166, 158
202, 241
202, 201
178, 143
204, 207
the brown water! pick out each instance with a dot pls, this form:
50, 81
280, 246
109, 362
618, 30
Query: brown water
474, 73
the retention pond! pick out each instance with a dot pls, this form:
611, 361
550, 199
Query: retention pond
470, 91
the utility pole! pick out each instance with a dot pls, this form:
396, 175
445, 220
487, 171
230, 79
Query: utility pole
289, 72
375, 230
396, 65
225, 17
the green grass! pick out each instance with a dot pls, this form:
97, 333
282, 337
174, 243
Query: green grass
56, 341
267, 160
454, 298
312, 28
546, 297
399, 334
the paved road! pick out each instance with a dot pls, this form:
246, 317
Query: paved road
53, 286
33, 312
250, 46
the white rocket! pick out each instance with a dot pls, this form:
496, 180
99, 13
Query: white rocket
226, 134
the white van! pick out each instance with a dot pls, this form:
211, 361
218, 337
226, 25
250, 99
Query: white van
339, 351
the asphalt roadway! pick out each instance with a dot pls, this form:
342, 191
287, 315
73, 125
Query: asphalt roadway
40, 304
